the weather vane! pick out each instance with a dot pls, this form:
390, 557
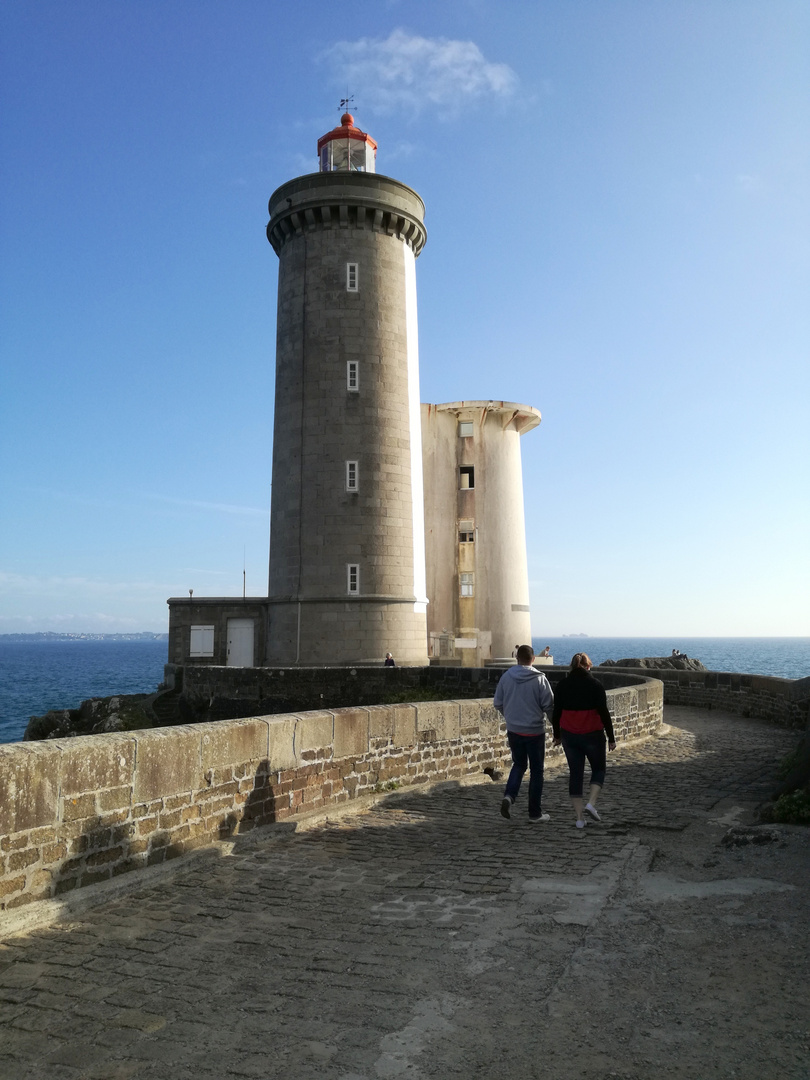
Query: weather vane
346, 102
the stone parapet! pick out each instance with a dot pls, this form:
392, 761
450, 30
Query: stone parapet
346, 201
79, 811
779, 701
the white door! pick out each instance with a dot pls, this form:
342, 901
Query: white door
240, 643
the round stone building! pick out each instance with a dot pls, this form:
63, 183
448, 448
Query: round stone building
478, 580
347, 544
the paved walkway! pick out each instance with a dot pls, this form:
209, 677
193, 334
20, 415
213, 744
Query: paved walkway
428, 938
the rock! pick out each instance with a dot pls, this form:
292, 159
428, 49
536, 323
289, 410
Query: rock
124, 712
740, 837
55, 724
666, 663
798, 774
114, 722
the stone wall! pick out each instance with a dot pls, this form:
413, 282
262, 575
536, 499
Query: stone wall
215, 611
223, 693
78, 811
764, 697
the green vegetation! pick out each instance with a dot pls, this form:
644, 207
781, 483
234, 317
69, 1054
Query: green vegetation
389, 785
788, 764
792, 809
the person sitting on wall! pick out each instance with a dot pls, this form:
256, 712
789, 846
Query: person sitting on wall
546, 651
389, 660
522, 696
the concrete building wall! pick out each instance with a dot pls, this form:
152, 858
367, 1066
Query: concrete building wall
488, 623
318, 225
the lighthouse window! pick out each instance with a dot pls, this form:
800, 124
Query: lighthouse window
202, 641
466, 532
352, 375
465, 429
467, 584
352, 578
466, 477
351, 476
351, 277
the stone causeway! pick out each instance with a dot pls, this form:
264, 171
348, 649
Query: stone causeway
421, 936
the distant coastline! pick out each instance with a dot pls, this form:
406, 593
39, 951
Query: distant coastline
50, 635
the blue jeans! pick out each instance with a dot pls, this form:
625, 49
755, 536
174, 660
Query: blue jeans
577, 747
527, 751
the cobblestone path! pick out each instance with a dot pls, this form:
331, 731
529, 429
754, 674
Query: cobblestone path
428, 938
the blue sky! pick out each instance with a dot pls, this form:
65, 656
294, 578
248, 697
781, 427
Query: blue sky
618, 234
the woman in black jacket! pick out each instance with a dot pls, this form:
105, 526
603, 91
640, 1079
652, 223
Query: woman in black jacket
580, 721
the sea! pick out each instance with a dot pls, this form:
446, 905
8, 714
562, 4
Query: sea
42, 675
37, 676
786, 657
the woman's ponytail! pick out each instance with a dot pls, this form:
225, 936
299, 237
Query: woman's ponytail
581, 662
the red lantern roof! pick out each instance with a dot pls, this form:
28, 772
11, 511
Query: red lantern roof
346, 130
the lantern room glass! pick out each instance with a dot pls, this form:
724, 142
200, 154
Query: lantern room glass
347, 155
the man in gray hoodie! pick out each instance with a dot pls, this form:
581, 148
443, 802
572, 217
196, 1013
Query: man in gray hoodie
522, 696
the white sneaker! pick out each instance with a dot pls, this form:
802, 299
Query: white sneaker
592, 811
543, 817
581, 824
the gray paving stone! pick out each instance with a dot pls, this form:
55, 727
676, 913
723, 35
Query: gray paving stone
411, 938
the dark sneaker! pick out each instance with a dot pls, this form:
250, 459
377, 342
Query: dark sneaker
506, 807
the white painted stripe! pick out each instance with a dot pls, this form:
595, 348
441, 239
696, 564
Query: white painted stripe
414, 406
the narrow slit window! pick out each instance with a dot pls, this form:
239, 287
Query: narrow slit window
352, 578
351, 476
466, 532
465, 429
466, 477
467, 584
351, 277
352, 375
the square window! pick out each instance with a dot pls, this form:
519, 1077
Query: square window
466, 477
465, 429
351, 476
353, 578
352, 375
467, 584
351, 277
202, 641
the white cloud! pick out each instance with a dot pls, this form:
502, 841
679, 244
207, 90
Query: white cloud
220, 508
407, 71
130, 500
747, 183
32, 585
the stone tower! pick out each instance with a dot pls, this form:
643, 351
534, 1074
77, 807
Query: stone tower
478, 580
347, 547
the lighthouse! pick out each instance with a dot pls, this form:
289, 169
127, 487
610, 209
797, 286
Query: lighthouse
347, 576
